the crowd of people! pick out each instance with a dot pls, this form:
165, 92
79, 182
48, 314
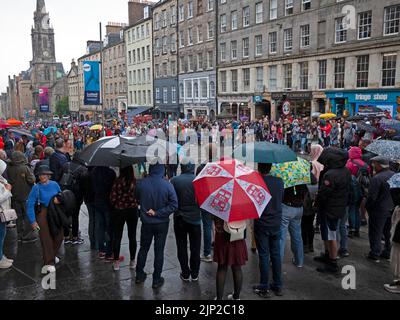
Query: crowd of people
349, 189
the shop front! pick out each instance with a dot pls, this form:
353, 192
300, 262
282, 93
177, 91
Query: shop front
366, 101
262, 107
298, 104
236, 108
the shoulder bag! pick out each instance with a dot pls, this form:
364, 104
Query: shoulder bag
235, 230
8, 215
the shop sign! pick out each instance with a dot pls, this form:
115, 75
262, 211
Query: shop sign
369, 97
286, 108
257, 99
339, 95
292, 95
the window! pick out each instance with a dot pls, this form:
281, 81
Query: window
340, 66
196, 90
190, 9
234, 77
340, 30
173, 68
260, 79
234, 20
272, 42
199, 35
164, 21
392, 20
173, 14
303, 76
223, 23
223, 81
149, 97
288, 7
144, 97
246, 79
189, 90
181, 13
245, 47
389, 70
181, 91
287, 76
130, 57
165, 69
165, 95
306, 5
181, 39
259, 48
199, 61
148, 75
259, 12
322, 74
305, 36
191, 63
212, 89
273, 9
288, 39
204, 89
157, 95
190, 36
222, 50
148, 53
134, 76
364, 25
273, 78
210, 5
173, 94
362, 71
233, 50
135, 94
157, 22
210, 30
199, 7
210, 57
246, 16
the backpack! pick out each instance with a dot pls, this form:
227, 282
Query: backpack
69, 180
363, 178
235, 230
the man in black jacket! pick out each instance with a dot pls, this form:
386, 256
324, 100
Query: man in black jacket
58, 159
332, 200
379, 206
187, 222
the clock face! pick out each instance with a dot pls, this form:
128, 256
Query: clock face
46, 54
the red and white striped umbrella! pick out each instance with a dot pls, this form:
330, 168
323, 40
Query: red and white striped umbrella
231, 191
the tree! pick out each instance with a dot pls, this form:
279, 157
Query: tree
62, 107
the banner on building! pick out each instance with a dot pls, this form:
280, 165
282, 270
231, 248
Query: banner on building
44, 104
91, 74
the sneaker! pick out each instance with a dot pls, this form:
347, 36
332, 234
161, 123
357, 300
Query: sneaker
140, 280
132, 264
206, 258
392, 288
231, 297
111, 258
343, 253
116, 265
102, 255
11, 225
56, 260
385, 256
77, 241
297, 265
9, 260
194, 278
158, 284
29, 240
5, 264
67, 240
183, 278
266, 294
277, 292
372, 258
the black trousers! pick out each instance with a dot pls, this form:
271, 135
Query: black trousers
307, 230
379, 227
75, 221
184, 229
119, 218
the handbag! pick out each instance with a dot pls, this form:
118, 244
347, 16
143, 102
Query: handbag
8, 215
235, 230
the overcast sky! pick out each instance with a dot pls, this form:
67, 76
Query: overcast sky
74, 22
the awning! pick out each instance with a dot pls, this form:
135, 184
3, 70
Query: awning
136, 111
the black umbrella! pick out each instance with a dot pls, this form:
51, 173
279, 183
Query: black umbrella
366, 127
99, 153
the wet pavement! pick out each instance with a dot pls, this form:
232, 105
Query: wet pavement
82, 276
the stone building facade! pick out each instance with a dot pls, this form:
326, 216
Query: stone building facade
313, 55
197, 63
73, 90
165, 59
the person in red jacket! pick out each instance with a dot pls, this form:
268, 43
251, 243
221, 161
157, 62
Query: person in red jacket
1, 143
326, 131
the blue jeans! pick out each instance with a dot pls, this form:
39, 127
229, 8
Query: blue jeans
103, 228
2, 237
159, 231
294, 142
342, 232
92, 223
291, 220
207, 231
268, 246
354, 217
303, 144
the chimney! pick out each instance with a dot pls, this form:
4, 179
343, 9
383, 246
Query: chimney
136, 10
114, 27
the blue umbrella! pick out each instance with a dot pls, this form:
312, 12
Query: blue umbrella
264, 152
394, 181
22, 132
49, 130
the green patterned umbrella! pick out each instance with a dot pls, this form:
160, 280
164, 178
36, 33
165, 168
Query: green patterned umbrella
292, 173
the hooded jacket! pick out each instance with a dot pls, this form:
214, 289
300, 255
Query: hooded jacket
187, 206
335, 183
379, 201
355, 162
154, 192
57, 163
20, 176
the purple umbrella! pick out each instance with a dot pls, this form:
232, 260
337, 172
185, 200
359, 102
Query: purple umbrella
85, 124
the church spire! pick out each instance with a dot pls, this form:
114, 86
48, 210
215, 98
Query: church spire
40, 6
